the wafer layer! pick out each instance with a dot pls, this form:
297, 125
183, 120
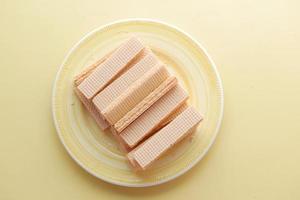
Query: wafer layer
108, 70
140, 108
146, 153
135, 94
116, 88
152, 118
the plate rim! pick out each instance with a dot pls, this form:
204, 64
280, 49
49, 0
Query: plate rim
140, 20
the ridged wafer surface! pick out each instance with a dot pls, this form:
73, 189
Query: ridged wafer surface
116, 88
154, 116
110, 68
135, 93
167, 137
147, 102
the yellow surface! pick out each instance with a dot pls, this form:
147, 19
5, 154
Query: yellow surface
256, 46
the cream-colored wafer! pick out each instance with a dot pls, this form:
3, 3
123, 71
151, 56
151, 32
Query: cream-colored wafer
93, 111
135, 93
111, 68
116, 88
158, 144
157, 115
148, 101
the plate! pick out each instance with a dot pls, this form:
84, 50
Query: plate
97, 151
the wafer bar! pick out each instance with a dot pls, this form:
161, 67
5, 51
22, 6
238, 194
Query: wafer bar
103, 124
135, 93
156, 116
154, 147
111, 68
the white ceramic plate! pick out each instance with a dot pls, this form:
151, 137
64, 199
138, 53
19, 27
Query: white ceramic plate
96, 151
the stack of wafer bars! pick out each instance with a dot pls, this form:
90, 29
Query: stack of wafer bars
131, 92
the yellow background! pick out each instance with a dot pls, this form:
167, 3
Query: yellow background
256, 47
